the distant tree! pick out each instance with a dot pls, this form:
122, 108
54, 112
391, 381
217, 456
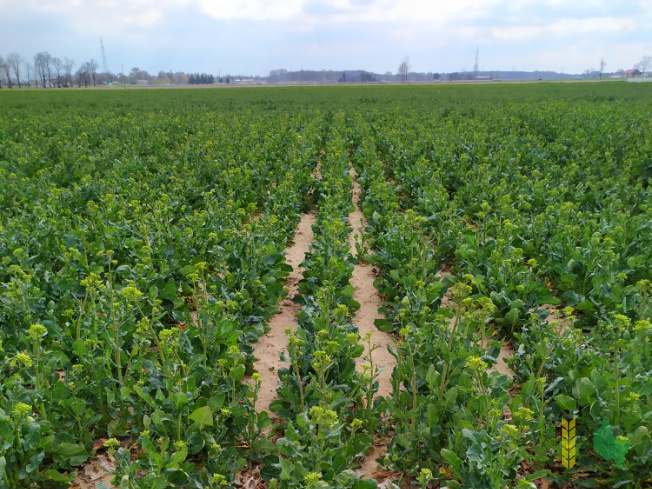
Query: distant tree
84, 75
342, 79
4, 66
137, 74
92, 69
29, 69
42, 67
58, 65
436, 76
15, 60
67, 66
404, 69
366, 77
602, 65
644, 64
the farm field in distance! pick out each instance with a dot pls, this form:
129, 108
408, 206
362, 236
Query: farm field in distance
192, 283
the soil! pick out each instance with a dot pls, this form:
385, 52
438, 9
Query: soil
369, 299
99, 468
270, 345
501, 367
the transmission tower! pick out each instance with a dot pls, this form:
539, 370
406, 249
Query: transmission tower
105, 67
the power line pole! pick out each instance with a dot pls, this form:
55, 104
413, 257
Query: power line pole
475, 66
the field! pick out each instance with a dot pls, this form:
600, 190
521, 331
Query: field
335, 287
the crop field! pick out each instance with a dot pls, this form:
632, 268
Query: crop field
327, 287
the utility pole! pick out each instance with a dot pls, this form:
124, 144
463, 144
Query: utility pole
475, 66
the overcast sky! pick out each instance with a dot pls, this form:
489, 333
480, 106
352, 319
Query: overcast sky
254, 36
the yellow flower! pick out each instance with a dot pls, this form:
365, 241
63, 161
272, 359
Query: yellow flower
23, 359
21, 409
476, 363
36, 332
131, 293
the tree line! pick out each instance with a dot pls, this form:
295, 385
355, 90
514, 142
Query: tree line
47, 71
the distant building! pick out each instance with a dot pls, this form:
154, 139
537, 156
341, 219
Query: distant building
632, 73
142, 82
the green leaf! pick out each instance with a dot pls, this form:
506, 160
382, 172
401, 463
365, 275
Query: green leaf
179, 399
539, 474
585, 305
286, 469
3, 464
431, 376
451, 459
453, 485
338, 465
608, 446
584, 390
71, 454
566, 402
512, 317
203, 416
365, 484
382, 325
188, 269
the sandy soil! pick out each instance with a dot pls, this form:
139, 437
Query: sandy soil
369, 299
270, 345
501, 367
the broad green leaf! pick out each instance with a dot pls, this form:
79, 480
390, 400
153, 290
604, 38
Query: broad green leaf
203, 416
566, 402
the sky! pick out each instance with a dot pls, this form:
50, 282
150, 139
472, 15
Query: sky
252, 37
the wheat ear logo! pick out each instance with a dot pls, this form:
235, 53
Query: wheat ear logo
568, 443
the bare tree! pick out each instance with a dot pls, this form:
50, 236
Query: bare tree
603, 63
4, 66
15, 60
644, 64
29, 69
404, 69
92, 68
42, 65
84, 74
58, 65
67, 66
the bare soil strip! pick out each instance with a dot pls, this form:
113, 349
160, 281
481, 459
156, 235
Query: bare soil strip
270, 345
369, 299
366, 294
501, 367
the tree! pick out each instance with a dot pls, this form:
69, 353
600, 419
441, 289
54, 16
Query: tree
602, 65
92, 68
4, 66
644, 64
42, 67
29, 69
83, 75
58, 65
404, 69
67, 66
15, 60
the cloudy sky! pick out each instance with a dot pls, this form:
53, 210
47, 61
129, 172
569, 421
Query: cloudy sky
254, 36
